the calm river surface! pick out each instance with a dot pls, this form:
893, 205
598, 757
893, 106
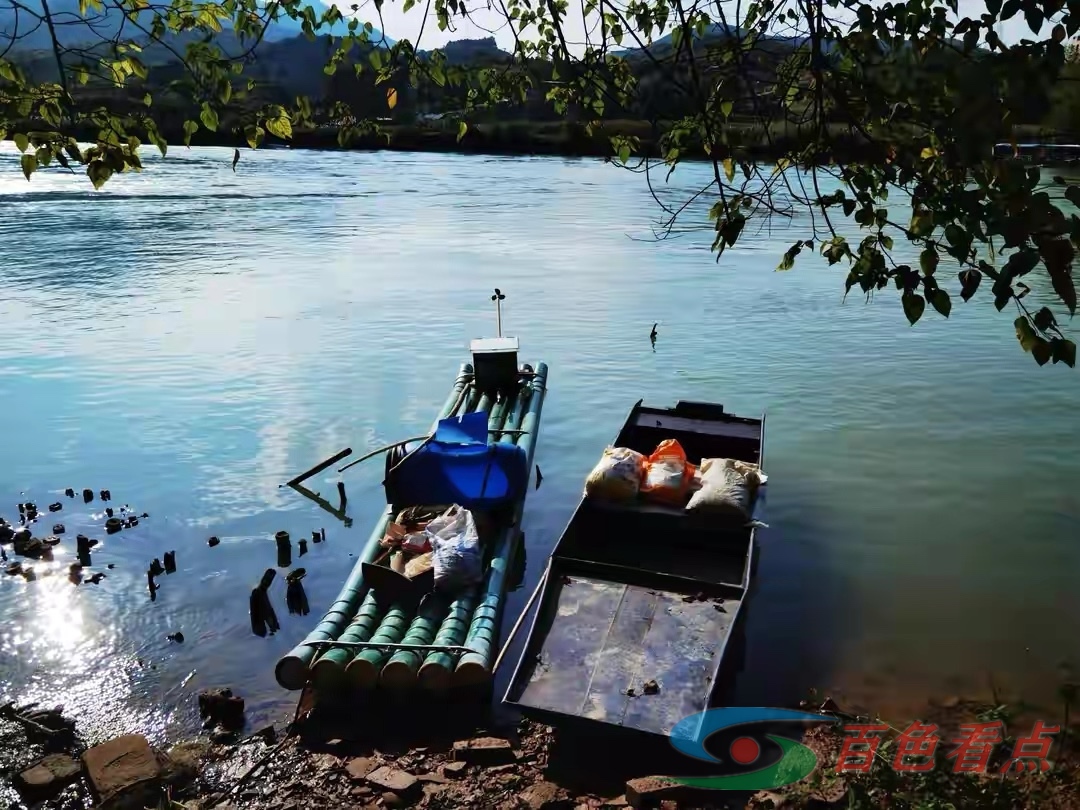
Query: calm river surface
190, 338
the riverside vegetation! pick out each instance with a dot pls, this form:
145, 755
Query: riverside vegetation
901, 100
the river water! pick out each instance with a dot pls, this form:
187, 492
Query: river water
191, 337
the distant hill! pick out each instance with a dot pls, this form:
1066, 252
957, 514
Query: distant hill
473, 51
73, 30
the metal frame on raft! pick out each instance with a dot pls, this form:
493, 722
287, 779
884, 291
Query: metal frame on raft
443, 642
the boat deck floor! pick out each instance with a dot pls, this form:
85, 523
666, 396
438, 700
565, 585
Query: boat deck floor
608, 639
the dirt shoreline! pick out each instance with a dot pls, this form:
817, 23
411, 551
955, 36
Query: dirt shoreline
348, 761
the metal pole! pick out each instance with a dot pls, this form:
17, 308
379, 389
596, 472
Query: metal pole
497, 298
521, 618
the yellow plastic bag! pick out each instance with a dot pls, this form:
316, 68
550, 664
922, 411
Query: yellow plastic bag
617, 476
668, 474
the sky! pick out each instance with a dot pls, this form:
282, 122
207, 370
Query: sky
486, 20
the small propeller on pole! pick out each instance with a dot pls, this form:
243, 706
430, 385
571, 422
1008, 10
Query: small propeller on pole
498, 298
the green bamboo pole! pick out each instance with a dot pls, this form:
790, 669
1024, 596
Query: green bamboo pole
328, 671
292, 670
400, 671
474, 668
363, 670
435, 674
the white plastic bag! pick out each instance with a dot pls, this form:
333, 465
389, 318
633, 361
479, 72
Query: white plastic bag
728, 486
617, 476
456, 554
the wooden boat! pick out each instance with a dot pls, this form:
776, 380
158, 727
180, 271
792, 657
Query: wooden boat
640, 602
436, 641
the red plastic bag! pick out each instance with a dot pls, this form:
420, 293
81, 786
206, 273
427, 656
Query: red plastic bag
668, 474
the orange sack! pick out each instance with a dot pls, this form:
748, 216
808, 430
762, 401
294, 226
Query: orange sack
668, 474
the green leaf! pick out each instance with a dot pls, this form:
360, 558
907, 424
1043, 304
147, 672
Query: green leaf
849, 206
725, 108
29, 165
1024, 333
1064, 350
280, 127
21, 141
99, 172
253, 134
1041, 351
7, 71
939, 300
209, 117
969, 282
928, 262
1021, 263
147, 100
391, 97
955, 235
624, 153
729, 169
190, 128
914, 305
461, 130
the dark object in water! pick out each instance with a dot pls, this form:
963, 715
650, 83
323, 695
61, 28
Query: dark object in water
284, 549
52, 540
22, 508
267, 579
156, 568
111, 566
151, 585
342, 497
316, 537
539, 476
96, 578
303, 547
263, 618
322, 535
295, 598
58, 528
31, 510
131, 522
109, 511
177, 637
69, 492
55, 507
113, 525
87, 495
6, 532
296, 576
170, 562
82, 544
105, 495
145, 515
614, 598
213, 541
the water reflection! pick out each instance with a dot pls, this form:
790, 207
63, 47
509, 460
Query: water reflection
191, 339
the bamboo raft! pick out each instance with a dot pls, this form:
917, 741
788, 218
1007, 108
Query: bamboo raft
442, 644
